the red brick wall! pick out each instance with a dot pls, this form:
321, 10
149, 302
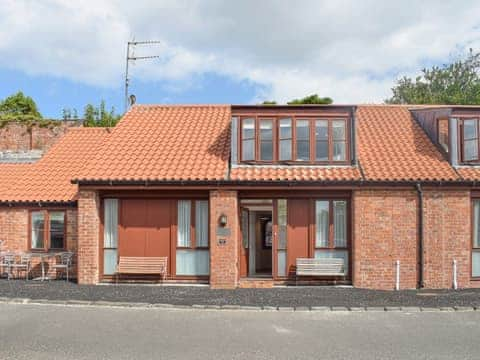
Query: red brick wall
224, 272
385, 230
447, 237
14, 231
88, 237
16, 136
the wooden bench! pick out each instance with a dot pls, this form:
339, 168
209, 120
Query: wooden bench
133, 265
320, 267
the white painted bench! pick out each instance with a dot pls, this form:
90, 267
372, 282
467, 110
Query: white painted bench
320, 267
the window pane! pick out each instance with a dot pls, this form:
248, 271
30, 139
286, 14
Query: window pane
321, 151
248, 128
281, 263
201, 223
285, 128
192, 262
470, 129
57, 229
183, 229
266, 150
248, 150
285, 150
109, 261
340, 223
282, 223
303, 150
38, 229
470, 150
339, 150
333, 254
476, 223
321, 223
303, 130
338, 130
266, 129
321, 130
110, 229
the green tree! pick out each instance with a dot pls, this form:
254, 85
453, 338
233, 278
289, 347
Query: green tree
19, 105
269, 102
98, 116
455, 83
311, 99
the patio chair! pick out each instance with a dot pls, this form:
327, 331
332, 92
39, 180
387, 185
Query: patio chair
8, 260
24, 264
65, 263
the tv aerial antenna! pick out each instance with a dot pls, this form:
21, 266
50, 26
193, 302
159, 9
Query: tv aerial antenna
131, 57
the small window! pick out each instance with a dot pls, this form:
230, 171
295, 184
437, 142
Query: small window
303, 140
321, 140
248, 139
266, 140
339, 140
476, 239
285, 139
45, 237
470, 140
442, 131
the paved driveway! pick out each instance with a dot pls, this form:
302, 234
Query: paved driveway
59, 332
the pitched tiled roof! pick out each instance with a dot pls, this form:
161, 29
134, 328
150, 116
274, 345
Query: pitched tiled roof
295, 173
172, 143
469, 173
49, 180
393, 147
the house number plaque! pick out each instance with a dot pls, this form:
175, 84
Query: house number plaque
221, 231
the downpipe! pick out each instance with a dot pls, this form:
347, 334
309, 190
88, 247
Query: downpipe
420, 235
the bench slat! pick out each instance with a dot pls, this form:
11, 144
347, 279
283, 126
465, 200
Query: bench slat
142, 265
320, 267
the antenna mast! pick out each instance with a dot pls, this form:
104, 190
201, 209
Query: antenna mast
131, 57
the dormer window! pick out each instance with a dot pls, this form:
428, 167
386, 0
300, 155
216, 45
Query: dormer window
292, 139
469, 139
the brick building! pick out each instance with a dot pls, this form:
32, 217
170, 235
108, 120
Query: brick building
234, 195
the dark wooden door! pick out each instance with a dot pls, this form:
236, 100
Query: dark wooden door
298, 232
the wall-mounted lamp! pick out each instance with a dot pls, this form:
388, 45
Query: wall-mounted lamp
222, 220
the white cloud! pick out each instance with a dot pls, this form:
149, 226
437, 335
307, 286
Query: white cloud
348, 50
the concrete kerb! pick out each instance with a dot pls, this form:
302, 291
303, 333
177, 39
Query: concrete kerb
166, 306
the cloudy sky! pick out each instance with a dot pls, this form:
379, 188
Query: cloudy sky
67, 53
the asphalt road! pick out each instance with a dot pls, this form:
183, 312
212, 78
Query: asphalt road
59, 332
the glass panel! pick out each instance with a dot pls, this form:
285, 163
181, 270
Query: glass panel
57, 229
470, 129
333, 254
266, 150
281, 263
266, 129
245, 229
470, 150
192, 262
340, 223
248, 128
282, 223
303, 150
476, 223
303, 130
201, 223
285, 150
476, 263
38, 229
338, 130
339, 150
321, 130
321, 151
109, 261
248, 150
321, 223
183, 229
110, 229
285, 129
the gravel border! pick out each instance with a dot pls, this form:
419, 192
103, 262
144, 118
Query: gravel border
287, 299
